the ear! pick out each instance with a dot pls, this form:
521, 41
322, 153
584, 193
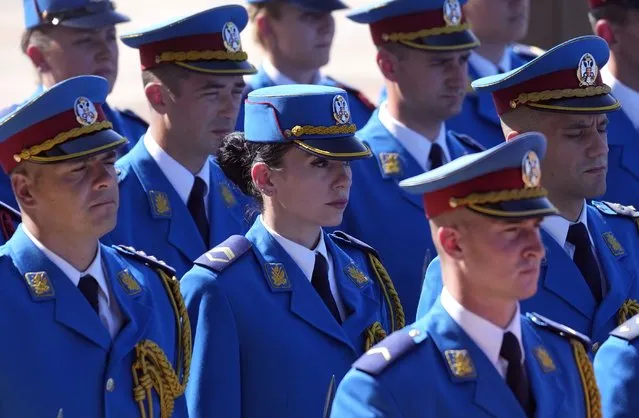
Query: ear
158, 96
22, 185
38, 59
261, 176
387, 63
448, 237
264, 28
605, 30
511, 135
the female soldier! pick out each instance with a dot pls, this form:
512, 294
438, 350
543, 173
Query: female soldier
281, 313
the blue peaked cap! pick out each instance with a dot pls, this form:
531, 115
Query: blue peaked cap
79, 14
315, 5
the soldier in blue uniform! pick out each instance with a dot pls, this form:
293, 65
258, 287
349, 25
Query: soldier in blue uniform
498, 25
177, 203
588, 278
90, 330
296, 37
474, 354
10, 218
616, 22
426, 78
617, 371
280, 314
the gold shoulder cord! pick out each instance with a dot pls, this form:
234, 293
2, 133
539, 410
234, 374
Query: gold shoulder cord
589, 384
152, 369
629, 309
376, 333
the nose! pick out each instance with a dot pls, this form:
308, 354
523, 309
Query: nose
105, 175
599, 145
457, 74
534, 248
228, 106
326, 24
343, 175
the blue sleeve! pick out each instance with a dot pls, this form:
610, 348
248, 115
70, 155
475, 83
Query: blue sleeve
431, 288
616, 370
360, 395
214, 387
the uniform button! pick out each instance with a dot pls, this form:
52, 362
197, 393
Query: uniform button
110, 385
414, 333
595, 347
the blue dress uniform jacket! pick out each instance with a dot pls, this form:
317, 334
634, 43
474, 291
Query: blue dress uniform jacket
57, 358
389, 218
153, 218
623, 171
563, 293
360, 107
265, 344
9, 221
617, 371
433, 369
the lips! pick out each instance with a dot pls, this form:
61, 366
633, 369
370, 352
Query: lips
340, 203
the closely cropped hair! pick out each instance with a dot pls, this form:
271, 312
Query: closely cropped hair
614, 13
236, 157
38, 37
272, 9
168, 74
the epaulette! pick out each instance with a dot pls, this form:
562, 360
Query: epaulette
148, 260
615, 209
528, 51
132, 115
11, 211
343, 237
352, 90
629, 330
468, 141
223, 255
385, 353
559, 329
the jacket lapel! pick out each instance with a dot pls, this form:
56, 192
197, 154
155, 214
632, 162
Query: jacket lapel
625, 136
50, 285
470, 369
455, 148
134, 303
165, 205
284, 276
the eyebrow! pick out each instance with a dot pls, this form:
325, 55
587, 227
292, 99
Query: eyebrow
212, 85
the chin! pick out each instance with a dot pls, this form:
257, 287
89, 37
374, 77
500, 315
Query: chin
332, 221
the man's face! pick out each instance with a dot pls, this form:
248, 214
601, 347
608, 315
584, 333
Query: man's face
627, 38
75, 52
498, 21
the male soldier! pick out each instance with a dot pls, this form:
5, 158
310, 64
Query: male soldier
178, 204
296, 37
588, 278
617, 21
474, 355
67, 38
426, 77
499, 25
90, 331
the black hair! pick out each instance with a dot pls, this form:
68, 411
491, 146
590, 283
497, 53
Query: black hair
236, 157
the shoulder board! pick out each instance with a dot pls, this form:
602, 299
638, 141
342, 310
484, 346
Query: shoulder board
528, 51
11, 211
132, 115
385, 353
615, 209
468, 141
343, 237
352, 90
148, 260
225, 253
559, 329
629, 330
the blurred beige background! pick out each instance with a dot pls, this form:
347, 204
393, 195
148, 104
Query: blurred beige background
352, 58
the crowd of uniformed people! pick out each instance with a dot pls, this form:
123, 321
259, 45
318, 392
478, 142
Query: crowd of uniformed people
270, 243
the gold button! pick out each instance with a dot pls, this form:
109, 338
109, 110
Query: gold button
414, 333
595, 347
110, 385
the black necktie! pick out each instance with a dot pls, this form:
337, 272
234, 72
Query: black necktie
584, 258
436, 156
89, 288
516, 373
322, 286
197, 209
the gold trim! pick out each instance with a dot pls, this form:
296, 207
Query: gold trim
298, 130
332, 154
575, 109
589, 384
374, 334
519, 214
395, 309
498, 196
440, 48
247, 71
410, 36
78, 154
546, 95
629, 309
207, 55
62, 137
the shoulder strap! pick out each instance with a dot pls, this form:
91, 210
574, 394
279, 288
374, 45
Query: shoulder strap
629, 330
615, 209
559, 329
223, 255
342, 237
528, 51
468, 141
148, 260
382, 355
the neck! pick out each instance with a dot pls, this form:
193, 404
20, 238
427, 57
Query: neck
490, 307
173, 143
302, 234
492, 52
568, 208
79, 251
414, 119
626, 73
290, 70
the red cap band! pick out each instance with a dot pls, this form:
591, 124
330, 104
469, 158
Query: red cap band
407, 24
149, 53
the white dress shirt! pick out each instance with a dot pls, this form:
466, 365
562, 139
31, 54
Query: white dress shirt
485, 334
557, 226
305, 260
108, 308
281, 79
417, 145
485, 67
179, 177
628, 97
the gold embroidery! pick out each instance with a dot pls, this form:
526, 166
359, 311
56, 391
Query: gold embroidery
278, 276
161, 203
546, 362
460, 363
130, 284
587, 375
39, 284
356, 274
629, 309
229, 199
615, 247
390, 162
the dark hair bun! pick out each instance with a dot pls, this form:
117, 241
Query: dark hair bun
235, 160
